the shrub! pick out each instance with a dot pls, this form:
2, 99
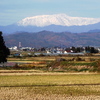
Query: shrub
98, 65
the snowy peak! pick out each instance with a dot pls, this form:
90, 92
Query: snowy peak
56, 19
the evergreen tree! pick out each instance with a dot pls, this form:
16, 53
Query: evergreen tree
4, 51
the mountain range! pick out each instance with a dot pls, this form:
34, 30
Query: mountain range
52, 39
55, 23
57, 19
53, 30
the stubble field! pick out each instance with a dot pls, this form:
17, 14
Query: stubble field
37, 84
50, 86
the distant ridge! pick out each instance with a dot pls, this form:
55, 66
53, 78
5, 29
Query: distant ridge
51, 39
96, 31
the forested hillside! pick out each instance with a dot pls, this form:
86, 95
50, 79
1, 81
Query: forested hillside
47, 39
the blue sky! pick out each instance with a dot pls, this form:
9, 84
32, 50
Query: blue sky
12, 11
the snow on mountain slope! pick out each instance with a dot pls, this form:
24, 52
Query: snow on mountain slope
56, 19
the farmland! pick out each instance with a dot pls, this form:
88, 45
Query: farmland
38, 83
50, 86
55, 63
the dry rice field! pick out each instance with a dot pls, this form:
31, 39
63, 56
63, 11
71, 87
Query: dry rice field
39, 85
32, 85
30, 93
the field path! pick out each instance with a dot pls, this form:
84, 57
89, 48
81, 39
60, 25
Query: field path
38, 72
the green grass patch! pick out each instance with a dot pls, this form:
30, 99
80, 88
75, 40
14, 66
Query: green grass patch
65, 63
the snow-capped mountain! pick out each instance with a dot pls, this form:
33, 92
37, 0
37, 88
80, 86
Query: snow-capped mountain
56, 19
55, 23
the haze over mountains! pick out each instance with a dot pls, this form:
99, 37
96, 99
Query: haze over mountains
55, 23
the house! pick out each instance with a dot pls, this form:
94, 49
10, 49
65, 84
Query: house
14, 48
48, 52
68, 51
17, 55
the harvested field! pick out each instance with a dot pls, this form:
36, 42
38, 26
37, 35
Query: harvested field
49, 86
37, 84
45, 93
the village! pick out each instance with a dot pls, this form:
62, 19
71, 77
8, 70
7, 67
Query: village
49, 51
